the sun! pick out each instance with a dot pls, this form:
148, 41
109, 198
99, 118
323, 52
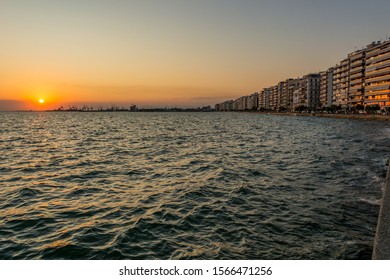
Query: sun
41, 101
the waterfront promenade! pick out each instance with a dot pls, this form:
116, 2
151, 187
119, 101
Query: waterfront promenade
372, 117
382, 237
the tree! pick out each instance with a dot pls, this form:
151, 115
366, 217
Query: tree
300, 108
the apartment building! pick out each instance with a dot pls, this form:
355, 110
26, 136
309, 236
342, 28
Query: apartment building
341, 83
286, 89
273, 100
290, 85
307, 92
238, 104
326, 88
377, 75
313, 90
298, 95
224, 106
264, 99
228, 105
241, 104
285, 100
260, 104
281, 96
363, 78
253, 101
356, 77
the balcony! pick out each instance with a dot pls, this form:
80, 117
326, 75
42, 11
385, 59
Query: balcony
382, 64
356, 55
356, 70
375, 51
376, 79
356, 76
378, 50
355, 100
380, 58
356, 79
356, 63
357, 92
382, 72
378, 87
376, 100
356, 87
378, 66
379, 92
385, 47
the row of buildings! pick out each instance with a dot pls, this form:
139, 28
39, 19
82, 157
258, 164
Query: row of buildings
361, 79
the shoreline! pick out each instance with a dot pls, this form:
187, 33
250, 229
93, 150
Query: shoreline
371, 117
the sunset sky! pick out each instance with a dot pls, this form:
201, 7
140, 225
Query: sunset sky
173, 52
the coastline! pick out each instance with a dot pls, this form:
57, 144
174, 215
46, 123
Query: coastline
370, 117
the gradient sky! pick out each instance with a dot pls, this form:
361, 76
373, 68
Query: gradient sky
172, 52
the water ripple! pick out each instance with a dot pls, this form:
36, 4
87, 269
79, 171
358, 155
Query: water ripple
188, 186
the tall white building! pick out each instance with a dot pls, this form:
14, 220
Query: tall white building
363, 78
377, 75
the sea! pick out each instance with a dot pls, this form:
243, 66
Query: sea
178, 185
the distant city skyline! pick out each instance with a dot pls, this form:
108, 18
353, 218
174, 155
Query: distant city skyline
171, 53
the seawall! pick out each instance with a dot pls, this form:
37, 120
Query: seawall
381, 249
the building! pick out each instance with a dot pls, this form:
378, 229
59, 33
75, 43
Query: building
356, 78
224, 106
361, 79
307, 92
290, 85
246, 103
284, 99
274, 98
237, 104
261, 105
241, 104
264, 99
296, 95
341, 83
326, 88
313, 91
228, 105
281, 97
377, 75
253, 101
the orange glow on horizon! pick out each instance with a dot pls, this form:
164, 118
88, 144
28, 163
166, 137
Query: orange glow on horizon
41, 96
